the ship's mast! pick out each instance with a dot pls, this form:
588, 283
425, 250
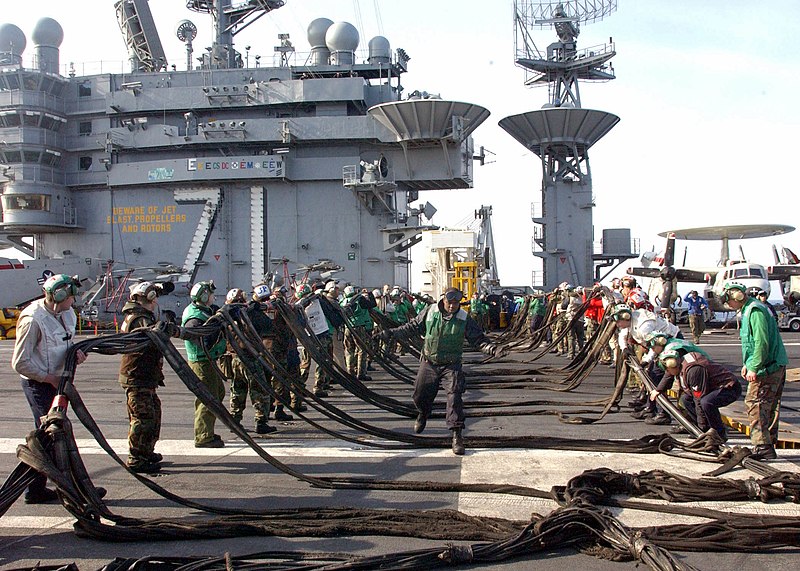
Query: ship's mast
562, 131
229, 20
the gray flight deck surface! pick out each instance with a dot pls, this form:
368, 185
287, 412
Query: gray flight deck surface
234, 476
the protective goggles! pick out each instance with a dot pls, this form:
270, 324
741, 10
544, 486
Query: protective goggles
453, 295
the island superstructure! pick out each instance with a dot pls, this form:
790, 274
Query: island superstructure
225, 171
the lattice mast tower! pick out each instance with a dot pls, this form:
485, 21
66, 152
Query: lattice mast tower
561, 132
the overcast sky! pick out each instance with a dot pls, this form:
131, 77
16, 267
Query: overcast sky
706, 93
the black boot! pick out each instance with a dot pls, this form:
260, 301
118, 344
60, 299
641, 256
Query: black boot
419, 424
660, 419
458, 442
280, 414
763, 452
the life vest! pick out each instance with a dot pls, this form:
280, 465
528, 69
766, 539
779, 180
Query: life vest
444, 338
194, 351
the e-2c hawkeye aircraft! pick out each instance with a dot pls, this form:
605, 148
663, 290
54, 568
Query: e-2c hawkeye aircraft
753, 276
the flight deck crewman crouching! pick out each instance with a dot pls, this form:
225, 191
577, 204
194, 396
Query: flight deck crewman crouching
709, 386
444, 326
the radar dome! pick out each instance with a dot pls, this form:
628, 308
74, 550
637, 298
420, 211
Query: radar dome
379, 50
317, 30
342, 37
47, 32
12, 39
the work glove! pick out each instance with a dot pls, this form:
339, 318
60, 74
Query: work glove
385, 335
168, 329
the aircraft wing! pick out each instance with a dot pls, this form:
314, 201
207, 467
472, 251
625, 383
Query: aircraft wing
783, 271
695, 276
644, 272
681, 274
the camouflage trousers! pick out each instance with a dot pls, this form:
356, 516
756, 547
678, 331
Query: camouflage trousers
355, 358
697, 325
204, 419
280, 391
242, 384
322, 381
144, 415
556, 328
763, 402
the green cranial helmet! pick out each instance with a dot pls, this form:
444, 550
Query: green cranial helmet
657, 338
669, 357
201, 292
304, 290
620, 312
733, 291
59, 287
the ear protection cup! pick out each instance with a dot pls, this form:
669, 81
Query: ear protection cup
202, 291
733, 294
151, 295
669, 362
60, 294
736, 295
61, 287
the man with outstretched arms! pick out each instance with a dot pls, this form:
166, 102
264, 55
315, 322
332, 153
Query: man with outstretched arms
444, 327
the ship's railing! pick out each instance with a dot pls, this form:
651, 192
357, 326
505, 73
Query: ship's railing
350, 175
597, 247
30, 98
39, 173
251, 61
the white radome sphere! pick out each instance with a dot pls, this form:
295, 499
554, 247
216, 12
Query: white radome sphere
47, 32
316, 32
12, 39
342, 37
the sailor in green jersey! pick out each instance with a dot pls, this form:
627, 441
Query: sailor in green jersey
357, 312
197, 313
764, 368
478, 310
536, 311
444, 327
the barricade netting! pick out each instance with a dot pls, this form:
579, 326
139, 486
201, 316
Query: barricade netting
581, 521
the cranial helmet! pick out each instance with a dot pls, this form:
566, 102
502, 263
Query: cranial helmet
620, 312
669, 358
657, 338
349, 291
60, 286
201, 292
235, 295
304, 290
261, 292
733, 291
145, 290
